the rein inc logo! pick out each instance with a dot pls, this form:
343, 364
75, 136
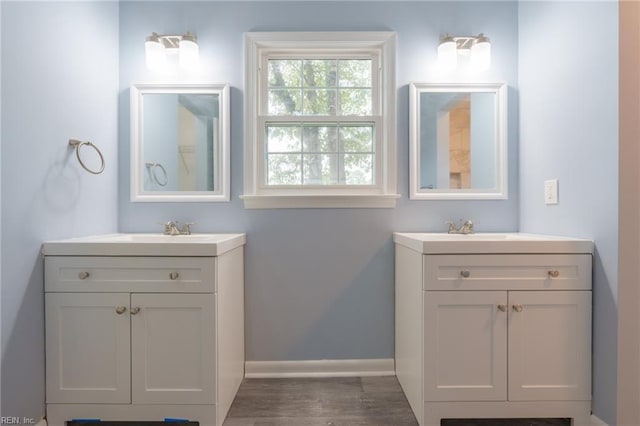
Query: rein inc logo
6, 420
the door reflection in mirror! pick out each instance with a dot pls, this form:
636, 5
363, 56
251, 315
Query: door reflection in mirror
457, 134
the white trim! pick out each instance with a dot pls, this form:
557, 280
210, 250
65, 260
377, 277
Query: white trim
596, 421
383, 42
320, 368
42, 422
319, 201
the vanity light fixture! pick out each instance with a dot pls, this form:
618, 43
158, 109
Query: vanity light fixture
478, 48
158, 47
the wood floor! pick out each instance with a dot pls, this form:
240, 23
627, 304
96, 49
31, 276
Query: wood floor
348, 401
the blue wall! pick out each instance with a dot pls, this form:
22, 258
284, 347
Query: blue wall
569, 131
59, 81
160, 136
483, 133
319, 283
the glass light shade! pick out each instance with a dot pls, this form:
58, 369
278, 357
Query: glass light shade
481, 54
448, 54
189, 52
154, 52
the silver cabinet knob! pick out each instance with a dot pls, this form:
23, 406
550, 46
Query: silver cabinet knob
554, 274
518, 308
135, 310
83, 275
502, 308
121, 310
174, 275
465, 274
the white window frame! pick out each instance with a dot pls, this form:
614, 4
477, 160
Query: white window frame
380, 46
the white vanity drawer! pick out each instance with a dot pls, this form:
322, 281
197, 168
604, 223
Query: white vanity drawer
135, 274
507, 272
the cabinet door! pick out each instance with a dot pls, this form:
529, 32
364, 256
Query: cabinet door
549, 345
88, 348
173, 348
465, 346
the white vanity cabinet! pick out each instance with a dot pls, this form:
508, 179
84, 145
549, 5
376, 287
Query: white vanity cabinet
143, 338
495, 330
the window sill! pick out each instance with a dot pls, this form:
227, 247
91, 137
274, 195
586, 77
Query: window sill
377, 201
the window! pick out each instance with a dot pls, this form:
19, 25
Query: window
320, 120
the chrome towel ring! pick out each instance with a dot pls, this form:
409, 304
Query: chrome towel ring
153, 170
77, 144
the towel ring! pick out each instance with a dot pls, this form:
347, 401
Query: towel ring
77, 144
153, 170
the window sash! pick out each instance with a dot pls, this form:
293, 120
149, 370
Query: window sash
265, 119
372, 55
261, 151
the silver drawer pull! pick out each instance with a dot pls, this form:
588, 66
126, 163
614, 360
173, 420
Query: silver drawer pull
83, 275
465, 274
502, 308
174, 275
121, 310
135, 310
518, 308
554, 274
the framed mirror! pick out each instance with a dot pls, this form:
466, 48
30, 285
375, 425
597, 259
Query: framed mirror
180, 142
458, 146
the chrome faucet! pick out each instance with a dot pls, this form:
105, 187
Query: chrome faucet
171, 228
465, 228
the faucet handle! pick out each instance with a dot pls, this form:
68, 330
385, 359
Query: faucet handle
452, 227
186, 228
467, 227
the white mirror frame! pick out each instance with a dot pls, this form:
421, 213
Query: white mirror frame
500, 192
222, 194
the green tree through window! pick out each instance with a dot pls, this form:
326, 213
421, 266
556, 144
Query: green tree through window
333, 148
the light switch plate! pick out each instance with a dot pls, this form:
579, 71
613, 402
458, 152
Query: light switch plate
551, 191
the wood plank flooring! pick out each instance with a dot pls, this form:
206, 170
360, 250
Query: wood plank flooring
347, 401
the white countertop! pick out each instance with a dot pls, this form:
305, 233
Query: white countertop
145, 245
491, 243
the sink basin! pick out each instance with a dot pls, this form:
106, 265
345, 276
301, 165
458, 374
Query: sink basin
162, 239
145, 245
464, 237
509, 242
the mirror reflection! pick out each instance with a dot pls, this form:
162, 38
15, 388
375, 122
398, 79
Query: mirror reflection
180, 137
180, 143
458, 141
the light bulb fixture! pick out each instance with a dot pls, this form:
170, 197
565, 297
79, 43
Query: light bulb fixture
448, 54
159, 47
481, 53
478, 48
154, 52
189, 52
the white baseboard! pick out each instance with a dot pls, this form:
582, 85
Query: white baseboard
595, 421
320, 368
